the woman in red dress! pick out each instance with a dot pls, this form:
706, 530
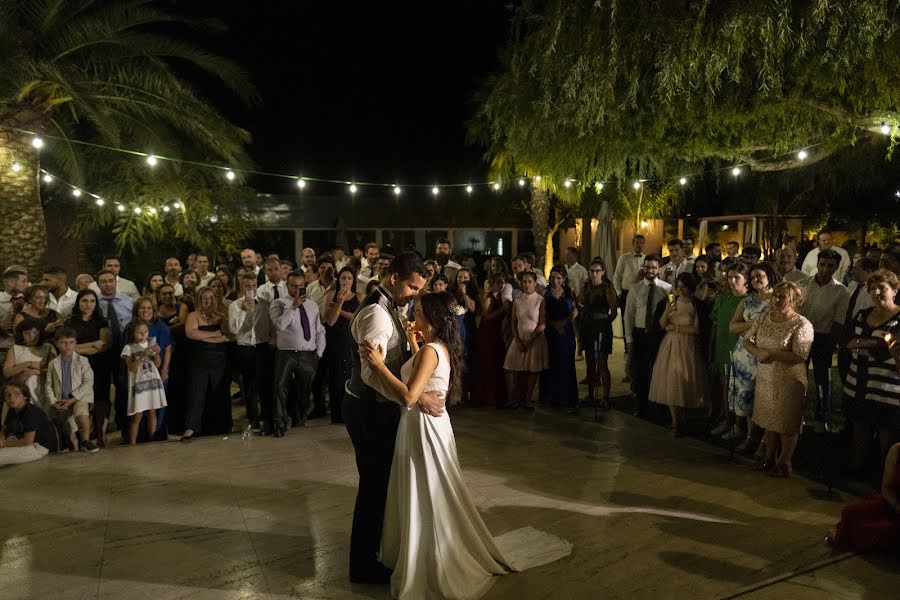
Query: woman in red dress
873, 524
490, 349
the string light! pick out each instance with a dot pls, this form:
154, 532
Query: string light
600, 186
682, 181
352, 188
636, 185
521, 183
567, 183
214, 219
76, 192
99, 202
16, 167
469, 189
229, 175
885, 128
435, 191
151, 160
166, 208
496, 187
396, 190
48, 178
537, 177
736, 171
802, 155
152, 210
120, 208
37, 142
176, 205
137, 210
301, 183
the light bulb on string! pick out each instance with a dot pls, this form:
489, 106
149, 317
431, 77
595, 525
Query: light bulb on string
166, 208
567, 183
152, 210
137, 210
636, 185
802, 155
301, 183
396, 190
16, 167
736, 171
99, 202
176, 205
537, 177
469, 189
353, 188
521, 183
37, 142
435, 191
120, 208
229, 175
151, 160
885, 128
496, 187
76, 192
48, 178
214, 219
599, 186
682, 181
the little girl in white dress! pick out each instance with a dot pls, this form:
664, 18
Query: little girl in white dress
146, 393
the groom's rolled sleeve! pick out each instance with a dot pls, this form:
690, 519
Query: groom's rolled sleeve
374, 325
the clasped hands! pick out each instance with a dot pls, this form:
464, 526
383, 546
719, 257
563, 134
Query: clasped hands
431, 403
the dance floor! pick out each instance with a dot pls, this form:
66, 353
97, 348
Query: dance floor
650, 516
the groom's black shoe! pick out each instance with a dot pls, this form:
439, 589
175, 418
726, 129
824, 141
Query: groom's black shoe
376, 573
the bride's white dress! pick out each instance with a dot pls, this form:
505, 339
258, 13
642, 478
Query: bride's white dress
433, 536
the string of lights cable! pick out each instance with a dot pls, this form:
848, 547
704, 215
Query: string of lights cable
303, 181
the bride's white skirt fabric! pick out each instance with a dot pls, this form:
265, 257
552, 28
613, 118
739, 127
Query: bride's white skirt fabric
433, 536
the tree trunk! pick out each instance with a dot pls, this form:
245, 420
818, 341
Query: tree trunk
23, 233
540, 222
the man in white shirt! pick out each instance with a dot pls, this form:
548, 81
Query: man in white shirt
825, 307
731, 249
576, 274
123, 286
300, 342
371, 409
787, 260
858, 299
274, 288
628, 269
12, 300
62, 297
248, 259
173, 271
340, 261
678, 264
826, 242
369, 269
248, 320
642, 330
201, 265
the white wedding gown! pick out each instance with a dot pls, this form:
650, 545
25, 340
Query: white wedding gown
433, 536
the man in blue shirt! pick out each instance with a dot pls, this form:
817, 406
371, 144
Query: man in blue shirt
116, 307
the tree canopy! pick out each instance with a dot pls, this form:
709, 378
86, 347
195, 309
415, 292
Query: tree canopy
607, 89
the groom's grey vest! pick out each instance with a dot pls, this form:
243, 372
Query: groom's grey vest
395, 353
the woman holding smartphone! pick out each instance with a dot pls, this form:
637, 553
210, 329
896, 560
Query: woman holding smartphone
341, 304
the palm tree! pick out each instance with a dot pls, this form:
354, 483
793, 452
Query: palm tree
104, 71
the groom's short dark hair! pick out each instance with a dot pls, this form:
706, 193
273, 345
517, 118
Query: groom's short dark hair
407, 263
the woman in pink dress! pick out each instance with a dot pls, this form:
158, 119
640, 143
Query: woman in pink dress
679, 373
527, 355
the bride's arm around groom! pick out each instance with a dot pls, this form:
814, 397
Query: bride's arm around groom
424, 364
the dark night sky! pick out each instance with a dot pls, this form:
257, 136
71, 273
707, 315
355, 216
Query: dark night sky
363, 90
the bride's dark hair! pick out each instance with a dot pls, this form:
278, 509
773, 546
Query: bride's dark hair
439, 310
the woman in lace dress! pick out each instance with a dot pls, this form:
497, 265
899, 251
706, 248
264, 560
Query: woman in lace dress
433, 537
780, 341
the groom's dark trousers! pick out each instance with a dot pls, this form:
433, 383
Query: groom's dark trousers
372, 426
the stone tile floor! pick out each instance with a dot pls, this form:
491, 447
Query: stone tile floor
650, 516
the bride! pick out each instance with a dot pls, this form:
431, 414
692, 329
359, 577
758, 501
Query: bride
433, 537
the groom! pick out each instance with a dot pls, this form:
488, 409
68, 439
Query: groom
372, 415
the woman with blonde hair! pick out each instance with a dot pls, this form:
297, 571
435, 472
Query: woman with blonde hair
780, 341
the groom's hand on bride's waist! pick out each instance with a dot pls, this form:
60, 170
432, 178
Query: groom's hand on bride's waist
432, 403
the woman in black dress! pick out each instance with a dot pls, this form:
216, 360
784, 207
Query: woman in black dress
599, 307
208, 401
92, 340
341, 306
